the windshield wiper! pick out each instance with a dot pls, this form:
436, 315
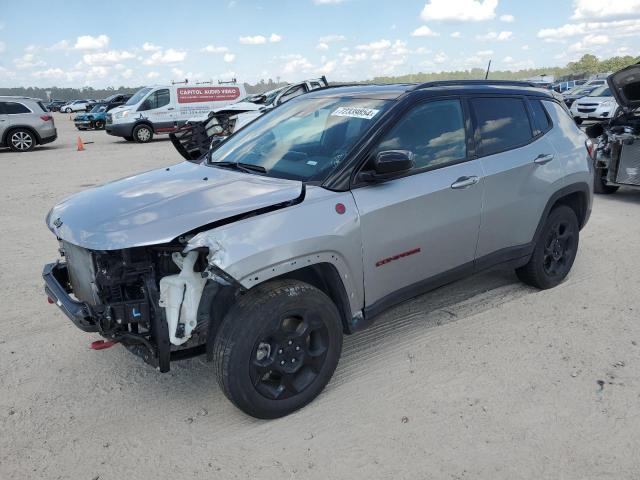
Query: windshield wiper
243, 167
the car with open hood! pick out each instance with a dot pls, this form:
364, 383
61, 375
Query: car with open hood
618, 139
197, 136
315, 218
93, 120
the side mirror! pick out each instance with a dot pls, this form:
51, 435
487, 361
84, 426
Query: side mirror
388, 164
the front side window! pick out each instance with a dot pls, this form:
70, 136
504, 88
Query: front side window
15, 108
503, 123
157, 99
434, 132
304, 139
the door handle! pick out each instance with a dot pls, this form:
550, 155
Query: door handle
464, 182
170, 108
543, 158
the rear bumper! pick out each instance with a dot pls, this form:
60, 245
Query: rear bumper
50, 138
55, 275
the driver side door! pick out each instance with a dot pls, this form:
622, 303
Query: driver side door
420, 230
158, 108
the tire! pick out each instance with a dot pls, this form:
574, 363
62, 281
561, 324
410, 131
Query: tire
600, 185
67, 110
21, 140
98, 125
555, 250
143, 133
277, 348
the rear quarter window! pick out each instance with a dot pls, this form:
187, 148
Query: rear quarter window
15, 108
541, 121
502, 123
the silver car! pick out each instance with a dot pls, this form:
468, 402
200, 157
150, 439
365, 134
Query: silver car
315, 218
597, 105
24, 123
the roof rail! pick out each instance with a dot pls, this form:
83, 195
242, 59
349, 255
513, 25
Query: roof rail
444, 83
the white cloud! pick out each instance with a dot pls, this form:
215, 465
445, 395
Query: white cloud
440, 57
3, 47
498, 36
484, 53
456, 35
322, 46
107, 58
593, 9
350, 59
61, 45
28, 60
49, 73
459, 10
588, 42
296, 64
525, 47
327, 2
127, 74
332, 38
214, 49
275, 38
377, 45
253, 40
153, 75
328, 67
615, 29
150, 47
507, 59
166, 56
507, 18
424, 31
87, 42
229, 57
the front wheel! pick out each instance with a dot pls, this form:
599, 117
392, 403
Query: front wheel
555, 250
67, 110
142, 133
98, 125
277, 348
600, 184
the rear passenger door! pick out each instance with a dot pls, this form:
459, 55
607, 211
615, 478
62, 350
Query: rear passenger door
521, 172
426, 223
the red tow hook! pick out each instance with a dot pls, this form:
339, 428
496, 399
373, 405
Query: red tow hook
102, 344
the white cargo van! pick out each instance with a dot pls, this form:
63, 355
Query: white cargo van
164, 108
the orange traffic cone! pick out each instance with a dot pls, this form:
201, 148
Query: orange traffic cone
80, 145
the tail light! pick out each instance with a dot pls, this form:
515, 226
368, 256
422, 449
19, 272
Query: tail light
591, 148
46, 118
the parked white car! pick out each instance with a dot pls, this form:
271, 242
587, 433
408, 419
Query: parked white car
75, 106
599, 104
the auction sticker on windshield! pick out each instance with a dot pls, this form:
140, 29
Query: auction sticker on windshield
355, 112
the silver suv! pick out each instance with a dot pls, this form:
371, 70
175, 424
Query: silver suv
315, 218
24, 123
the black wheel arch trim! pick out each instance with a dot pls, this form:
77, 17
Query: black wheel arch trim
23, 127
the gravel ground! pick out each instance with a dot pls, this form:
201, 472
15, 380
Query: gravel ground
486, 378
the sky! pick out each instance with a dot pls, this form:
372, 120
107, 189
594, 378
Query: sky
100, 44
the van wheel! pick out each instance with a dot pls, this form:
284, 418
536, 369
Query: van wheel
21, 140
600, 184
555, 250
142, 133
277, 348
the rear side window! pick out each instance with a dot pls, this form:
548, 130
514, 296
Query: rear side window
433, 131
503, 123
14, 107
541, 122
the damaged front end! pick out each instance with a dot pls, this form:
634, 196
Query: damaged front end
617, 158
146, 298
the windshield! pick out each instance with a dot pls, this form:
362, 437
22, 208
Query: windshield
98, 108
603, 91
304, 139
140, 94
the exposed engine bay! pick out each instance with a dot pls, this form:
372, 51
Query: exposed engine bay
146, 298
618, 150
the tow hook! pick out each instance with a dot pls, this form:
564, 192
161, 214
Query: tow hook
102, 344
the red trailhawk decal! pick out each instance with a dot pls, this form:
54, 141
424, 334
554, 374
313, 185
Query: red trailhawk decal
207, 94
384, 261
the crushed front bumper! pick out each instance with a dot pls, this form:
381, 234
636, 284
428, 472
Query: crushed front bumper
55, 277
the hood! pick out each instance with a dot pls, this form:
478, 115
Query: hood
240, 107
121, 108
625, 86
157, 206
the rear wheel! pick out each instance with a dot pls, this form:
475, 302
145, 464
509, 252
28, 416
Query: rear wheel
555, 250
21, 140
277, 348
98, 125
600, 184
142, 133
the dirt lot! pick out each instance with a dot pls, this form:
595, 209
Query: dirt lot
486, 378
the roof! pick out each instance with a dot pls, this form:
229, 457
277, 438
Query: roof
393, 91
